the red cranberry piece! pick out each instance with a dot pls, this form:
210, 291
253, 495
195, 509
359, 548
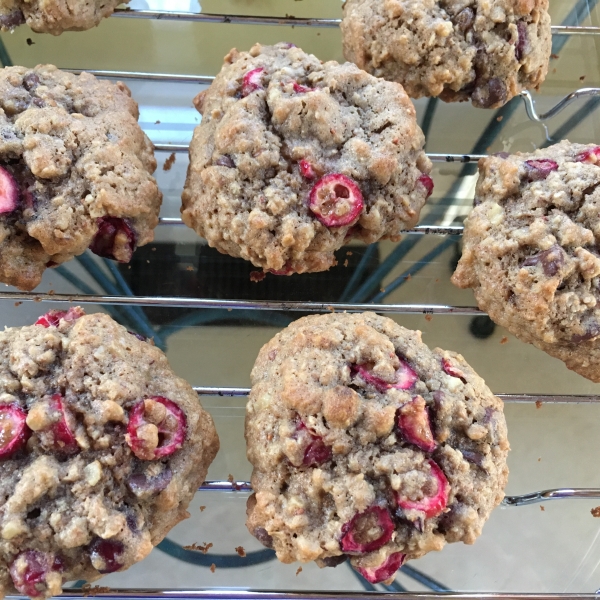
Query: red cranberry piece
316, 452
405, 377
414, 425
282, 272
302, 89
540, 169
52, 318
63, 437
29, 571
9, 192
453, 371
384, 571
171, 429
252, 81
106, 556
431, 505
115, 239
367, 531
307, 170
591, 155
144, 485
427, 183
522, 45
336, 200
13, 429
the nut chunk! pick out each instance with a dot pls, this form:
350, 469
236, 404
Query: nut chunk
368, 446
531, 250
295, 157
102, 447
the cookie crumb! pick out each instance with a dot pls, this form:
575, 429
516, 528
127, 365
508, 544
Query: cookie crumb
202, 508
204, 548
241, 552
88, 590
190, 268
499, 118
408, 278
346, 263
298, 571
213, 568
540, 459
542, 508
17, 304
538, 404
595, 511
169, 162
51, 292
554, 56
256, 276
504, 340
30, 42
582, 78
234, 485
429, 318
349, 253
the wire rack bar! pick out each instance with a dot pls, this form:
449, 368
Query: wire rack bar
512, 398
166, 77
178, 302
132, 13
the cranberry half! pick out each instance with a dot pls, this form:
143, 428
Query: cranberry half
52, 318
9, 192
427, 183
453, 371
316, 452
367, 531
540, 169
106, 556
13, 429
115, 239
591, 155
336, 200
29, 570
171, 430
63, 437
430, 505
252, 81
413, 423
384, 571
302, 89
405, 377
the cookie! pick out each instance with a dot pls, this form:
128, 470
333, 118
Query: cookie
530, 250
294, 157
369, 446
55, 16
102, 449
486, 52
75, 172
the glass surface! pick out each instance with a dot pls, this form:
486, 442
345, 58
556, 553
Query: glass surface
554, 547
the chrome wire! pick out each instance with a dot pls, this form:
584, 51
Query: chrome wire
178, 302
132, 13
167, 77
557, 108
512, 398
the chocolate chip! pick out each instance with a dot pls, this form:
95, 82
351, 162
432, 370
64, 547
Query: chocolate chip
11, 20
522, 45
551, 260
31, 81
490, 93
591, 329
464, 19
473, 457
144, 485
334, 561
260, 533
225, 161
38, 102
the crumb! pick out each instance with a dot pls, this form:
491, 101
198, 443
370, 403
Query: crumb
204, 548
382, 290
148, 261
538, 404
437, 281
540, 459
298, 571
202, 508
429, 318
189, 268
229, 309
169, 162
37, 299
51, 293
346, 263
553, 71
88, 590
582, 78
241, 552
349, 253
408, 277
153, 249
542, 508
499, 118
30, 42
256, 276
595, 511
157, 122
18, 304
234, 485
504, 340
213, 568
330, 308
554, 56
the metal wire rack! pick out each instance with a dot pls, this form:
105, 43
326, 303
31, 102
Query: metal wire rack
119, 295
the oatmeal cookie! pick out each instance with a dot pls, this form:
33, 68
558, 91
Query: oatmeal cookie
368, 445
75, 172
531, 250
55, 16
102, 449
294, 157
477, 50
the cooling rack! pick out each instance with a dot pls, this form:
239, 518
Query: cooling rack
378, 279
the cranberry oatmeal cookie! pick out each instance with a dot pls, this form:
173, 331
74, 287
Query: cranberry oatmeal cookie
294, 157
75, 172
531, 250
368, 445
102, 449
477, 50
55, 16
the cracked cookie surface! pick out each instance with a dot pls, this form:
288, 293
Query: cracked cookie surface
55, 16
486, 52
369, 446
294, 157
75, 172
102, 449
531, 250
